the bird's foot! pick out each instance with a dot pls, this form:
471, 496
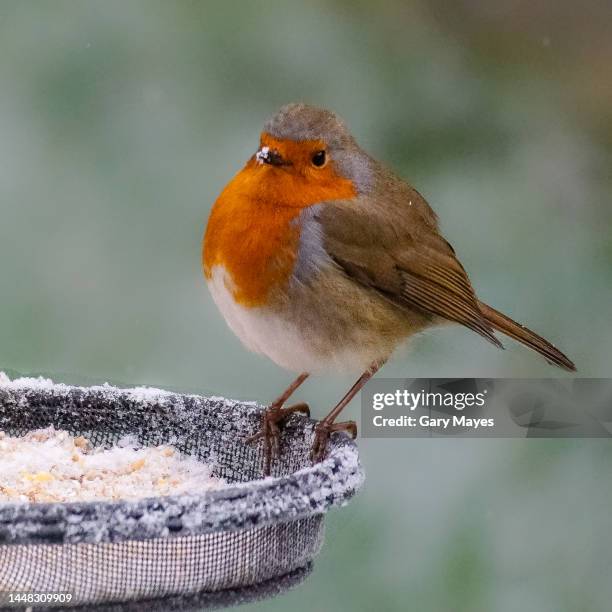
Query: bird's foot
323, 431
271, 422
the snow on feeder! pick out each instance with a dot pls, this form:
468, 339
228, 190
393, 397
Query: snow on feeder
242, 538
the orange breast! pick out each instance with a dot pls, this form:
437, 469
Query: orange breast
253, 231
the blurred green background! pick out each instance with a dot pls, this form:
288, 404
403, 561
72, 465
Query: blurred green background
120, 122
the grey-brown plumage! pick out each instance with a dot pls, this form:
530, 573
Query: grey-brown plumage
388, 239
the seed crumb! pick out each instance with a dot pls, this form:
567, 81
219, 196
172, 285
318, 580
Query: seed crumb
50, 465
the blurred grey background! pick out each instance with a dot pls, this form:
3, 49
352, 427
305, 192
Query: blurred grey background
121, 121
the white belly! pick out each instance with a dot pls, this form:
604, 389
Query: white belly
263, 332
314, 334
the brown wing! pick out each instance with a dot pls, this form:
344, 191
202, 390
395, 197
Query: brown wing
396, 248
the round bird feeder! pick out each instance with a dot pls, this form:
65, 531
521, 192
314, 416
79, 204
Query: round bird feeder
250, 539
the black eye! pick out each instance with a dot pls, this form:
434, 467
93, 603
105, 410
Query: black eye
318, 159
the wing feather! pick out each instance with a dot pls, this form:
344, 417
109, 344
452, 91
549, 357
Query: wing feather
399, 252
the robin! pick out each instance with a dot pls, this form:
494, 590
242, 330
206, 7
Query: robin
321, 258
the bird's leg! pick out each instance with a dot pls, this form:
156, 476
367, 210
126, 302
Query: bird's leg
273, 417
327, 426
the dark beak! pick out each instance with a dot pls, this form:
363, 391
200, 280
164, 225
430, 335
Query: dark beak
265, 155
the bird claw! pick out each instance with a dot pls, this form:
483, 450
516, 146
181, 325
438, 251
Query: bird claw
323, 431
272, 418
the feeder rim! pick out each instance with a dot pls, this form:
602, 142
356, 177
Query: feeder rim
309, 491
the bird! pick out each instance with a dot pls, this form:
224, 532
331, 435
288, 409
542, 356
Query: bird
323, 259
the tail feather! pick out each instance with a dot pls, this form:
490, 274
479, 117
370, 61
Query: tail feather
525, 336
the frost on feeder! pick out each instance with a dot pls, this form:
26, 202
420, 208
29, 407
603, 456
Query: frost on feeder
222, 537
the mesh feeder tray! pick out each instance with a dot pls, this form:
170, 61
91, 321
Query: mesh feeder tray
252, 536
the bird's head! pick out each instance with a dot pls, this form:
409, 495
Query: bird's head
307, 155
